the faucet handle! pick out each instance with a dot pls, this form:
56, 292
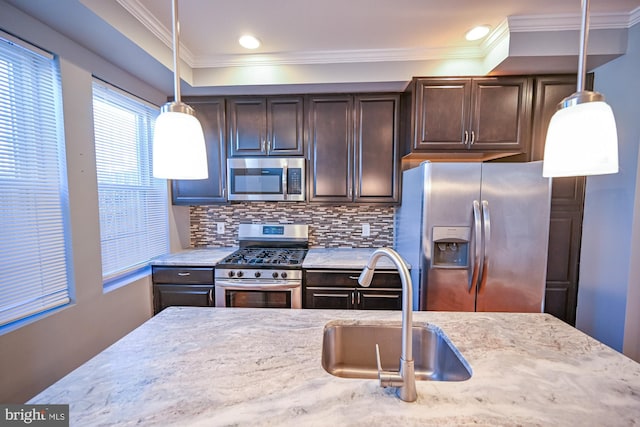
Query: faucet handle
387, 378
378, 361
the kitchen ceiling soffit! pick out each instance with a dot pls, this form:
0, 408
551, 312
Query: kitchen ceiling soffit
519, 44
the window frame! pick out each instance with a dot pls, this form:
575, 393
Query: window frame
104, 94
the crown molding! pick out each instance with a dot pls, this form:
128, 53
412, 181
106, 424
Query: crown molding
571, 22
521, 23
634, 17
338, 57
496, 37
164, 34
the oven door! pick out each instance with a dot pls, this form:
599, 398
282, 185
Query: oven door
253, 293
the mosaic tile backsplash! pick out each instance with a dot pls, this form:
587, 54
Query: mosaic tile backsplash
329, 226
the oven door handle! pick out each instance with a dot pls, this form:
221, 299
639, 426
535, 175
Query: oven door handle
258, 286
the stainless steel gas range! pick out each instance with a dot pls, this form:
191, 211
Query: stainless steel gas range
266, 271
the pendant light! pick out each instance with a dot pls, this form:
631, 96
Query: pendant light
178, 141
582, 137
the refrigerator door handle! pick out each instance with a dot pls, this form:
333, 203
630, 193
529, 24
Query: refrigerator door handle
477, 246
486, 240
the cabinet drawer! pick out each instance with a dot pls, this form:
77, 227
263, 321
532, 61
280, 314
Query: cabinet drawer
349, 278
187, 275
185, 295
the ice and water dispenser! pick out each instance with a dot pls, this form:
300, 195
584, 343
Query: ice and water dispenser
451, 247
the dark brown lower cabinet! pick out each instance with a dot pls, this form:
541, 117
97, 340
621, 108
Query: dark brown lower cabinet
182, 286
339, 289
565, 235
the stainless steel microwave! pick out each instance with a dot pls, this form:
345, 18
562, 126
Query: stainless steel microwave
266, 178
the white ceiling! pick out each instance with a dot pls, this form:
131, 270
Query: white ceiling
315, 45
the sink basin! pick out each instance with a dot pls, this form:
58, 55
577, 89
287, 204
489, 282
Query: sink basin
349, 351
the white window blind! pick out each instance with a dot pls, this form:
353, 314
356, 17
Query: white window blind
133, 205
35, 257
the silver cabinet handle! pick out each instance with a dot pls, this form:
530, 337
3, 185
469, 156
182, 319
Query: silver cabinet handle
358, 297
353, 277
184, 273
211, 297
269, 146
466, 137
473, 137
353, 298
263, 147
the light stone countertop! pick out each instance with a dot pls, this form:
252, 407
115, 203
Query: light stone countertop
192, 366
344, 258
201, 257
330, 258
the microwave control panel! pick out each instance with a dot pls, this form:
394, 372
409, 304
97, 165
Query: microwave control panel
294, 181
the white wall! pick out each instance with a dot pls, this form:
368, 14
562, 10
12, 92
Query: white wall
38, 354
609, 255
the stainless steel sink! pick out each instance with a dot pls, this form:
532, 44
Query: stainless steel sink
349, 351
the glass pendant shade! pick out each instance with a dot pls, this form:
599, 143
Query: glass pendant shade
179, 150
581, 140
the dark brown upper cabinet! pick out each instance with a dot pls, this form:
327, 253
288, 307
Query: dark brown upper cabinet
353, 148
376, 153
485, 114
211, 113
266, 126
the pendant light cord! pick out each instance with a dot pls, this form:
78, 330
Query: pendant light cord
176, 46
584, 34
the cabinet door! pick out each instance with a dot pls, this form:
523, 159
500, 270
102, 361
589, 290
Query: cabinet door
167, 295
562, 264
211, 113
567, 203
500, 113
285, 126
376, 148
442, 113
379, 299
247, 126
548, 92
330, 128
329, 298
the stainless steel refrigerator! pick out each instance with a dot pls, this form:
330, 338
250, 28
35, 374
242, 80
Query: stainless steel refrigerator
476, 235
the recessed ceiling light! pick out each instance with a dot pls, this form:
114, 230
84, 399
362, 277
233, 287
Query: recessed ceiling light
476, 33
249, 42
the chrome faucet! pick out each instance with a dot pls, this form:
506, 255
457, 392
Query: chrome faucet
404, 379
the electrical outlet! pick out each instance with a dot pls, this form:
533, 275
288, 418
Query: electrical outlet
220, 227
366, 230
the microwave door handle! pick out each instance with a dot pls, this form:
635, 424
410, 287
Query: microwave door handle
284, 181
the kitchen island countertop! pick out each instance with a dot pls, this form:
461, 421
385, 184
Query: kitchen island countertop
223, 366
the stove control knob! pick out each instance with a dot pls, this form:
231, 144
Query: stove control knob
283, 274
257, 274
240, 273
275, 274
231, 273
